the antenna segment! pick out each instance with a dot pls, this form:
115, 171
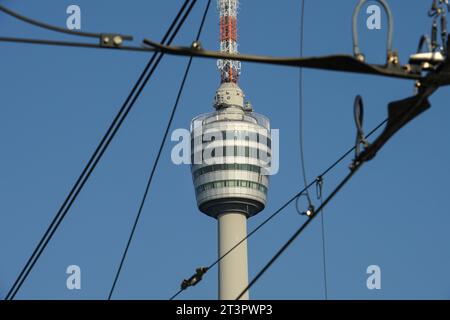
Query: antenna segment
229, 69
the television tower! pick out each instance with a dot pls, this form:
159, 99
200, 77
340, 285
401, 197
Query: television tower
230, 153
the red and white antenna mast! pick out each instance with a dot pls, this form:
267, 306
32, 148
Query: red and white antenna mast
229, 69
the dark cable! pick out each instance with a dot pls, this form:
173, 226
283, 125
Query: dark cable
155, 164
319, 189
342, 63
120, 117
300, 92
72, 44
299, 230
337, 62
176, 294
287, 203
355, 166
424, 41
55, 28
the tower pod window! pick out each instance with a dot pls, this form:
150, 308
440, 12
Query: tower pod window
227, 166
231, 183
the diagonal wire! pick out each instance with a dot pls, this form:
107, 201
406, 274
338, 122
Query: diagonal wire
155, 164
47, 26
300, 229
73, 44
101, 148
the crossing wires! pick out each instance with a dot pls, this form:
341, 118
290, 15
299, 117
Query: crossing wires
155, 164
126, 107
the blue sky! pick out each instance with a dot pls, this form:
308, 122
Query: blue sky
56, 103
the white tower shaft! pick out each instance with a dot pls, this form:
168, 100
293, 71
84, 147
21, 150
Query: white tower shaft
233, 268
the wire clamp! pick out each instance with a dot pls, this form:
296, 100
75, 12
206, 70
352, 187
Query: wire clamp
310, 212
319, 187
358, 113
196, 45
111, 40
196, 278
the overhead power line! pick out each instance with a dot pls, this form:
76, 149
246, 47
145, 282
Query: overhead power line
47, 26
345, 63
400, 113
73, 44
101, 148
299, 230
155, 164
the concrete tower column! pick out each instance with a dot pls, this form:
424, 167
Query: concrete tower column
233, 269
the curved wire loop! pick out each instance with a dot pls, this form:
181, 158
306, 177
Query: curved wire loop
358, 114
391, 57
309, 212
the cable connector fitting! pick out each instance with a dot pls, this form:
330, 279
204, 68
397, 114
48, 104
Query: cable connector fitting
197, 45
393, 58
310, 212
196, 278
112, 40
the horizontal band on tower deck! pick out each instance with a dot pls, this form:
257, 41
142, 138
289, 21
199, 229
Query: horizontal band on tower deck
231, 184
225, 167
235, 151
240, 144
231, 135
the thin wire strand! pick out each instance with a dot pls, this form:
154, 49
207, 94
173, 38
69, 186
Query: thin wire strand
155, 164
73, 44
47, 26
176, 294
300, 98
95, 158
302, 157
324, 259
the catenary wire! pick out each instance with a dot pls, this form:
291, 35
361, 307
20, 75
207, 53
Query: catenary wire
155, 164
324, 257
47, 26
357, 163
73, 44
300, 229
120, 117
336, 63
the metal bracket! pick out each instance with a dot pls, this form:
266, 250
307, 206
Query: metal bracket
196, 278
